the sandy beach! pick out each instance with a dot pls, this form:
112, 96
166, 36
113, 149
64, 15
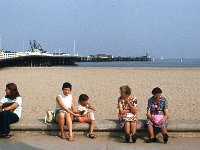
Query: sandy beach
39, 87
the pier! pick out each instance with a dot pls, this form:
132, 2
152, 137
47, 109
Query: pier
98, 59
38, 61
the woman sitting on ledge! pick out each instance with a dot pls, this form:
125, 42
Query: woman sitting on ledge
65, 106
128, 108
10, 109
157, 115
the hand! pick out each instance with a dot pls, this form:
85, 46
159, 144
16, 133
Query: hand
77, 115
127, 100
160, 122
153, 120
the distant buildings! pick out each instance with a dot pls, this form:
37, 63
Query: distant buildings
7, 54
100, 56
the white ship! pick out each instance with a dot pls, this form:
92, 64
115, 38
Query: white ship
36, 49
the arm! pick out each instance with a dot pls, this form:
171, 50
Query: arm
132, 107
73, 104
1, 104
149, 116
91, 107
11, 107
62, 105
121, 110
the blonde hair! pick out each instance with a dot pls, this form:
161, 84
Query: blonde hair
125, 89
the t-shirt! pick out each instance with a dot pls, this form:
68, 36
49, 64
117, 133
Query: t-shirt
18, 100
83, 108
67, 100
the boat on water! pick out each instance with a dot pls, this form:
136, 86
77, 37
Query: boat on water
181, 59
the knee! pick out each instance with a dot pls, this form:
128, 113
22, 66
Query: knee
80, 119
68, 115
4, 114
59, 117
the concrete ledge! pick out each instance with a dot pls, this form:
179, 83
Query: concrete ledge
104, 126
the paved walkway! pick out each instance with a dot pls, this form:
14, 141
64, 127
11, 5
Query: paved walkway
33, 141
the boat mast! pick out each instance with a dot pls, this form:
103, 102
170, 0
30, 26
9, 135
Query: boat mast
74, 48
0, 41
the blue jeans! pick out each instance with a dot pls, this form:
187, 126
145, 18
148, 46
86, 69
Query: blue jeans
7, 118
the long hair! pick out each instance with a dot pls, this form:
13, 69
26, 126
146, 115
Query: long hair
13, 91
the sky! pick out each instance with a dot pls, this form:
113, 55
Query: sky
167, 28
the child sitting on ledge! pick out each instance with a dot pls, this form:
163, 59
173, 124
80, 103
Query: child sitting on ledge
86, 116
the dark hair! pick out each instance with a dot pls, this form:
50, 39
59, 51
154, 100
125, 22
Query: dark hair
13, 91
125, 89
156, 90
83, 97
67, 85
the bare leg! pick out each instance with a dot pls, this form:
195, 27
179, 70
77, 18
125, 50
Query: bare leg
133, 131
133, 128
60, 118
127, 127
163, 131
69, 125
127, 131
165, 135
92, 126
150, 129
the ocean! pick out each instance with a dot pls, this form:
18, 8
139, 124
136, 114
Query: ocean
171, 63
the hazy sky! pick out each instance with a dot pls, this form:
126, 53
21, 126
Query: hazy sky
168, 28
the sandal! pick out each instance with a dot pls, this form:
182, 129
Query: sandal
7, 136
70, 139
91, 136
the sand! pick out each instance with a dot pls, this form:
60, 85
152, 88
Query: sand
39, 87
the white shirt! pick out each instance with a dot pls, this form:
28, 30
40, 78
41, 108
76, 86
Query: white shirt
83, 108
67, 100
18, 100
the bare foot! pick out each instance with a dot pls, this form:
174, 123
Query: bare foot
63, 136
70, 139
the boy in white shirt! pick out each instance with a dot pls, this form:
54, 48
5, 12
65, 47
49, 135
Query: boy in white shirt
86, 115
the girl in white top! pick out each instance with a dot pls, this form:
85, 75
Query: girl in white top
10, 109
65, 106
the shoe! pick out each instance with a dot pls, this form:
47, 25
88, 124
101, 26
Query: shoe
134, 138
152, 140
90, 136
165, 138
7, 136
127, 138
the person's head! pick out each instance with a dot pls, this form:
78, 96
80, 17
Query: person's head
156, 93
11, 90
67, 87
125, 91
83, 99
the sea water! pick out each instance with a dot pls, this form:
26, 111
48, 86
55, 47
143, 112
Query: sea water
172, 63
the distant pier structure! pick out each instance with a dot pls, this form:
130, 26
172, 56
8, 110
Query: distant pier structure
37, 61
107, 58
35, 57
